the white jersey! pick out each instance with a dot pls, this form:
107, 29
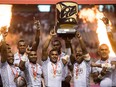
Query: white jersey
107, 80
8, 73
33, 74
81, 73
113, 72
65, 69
52, 73
17, 58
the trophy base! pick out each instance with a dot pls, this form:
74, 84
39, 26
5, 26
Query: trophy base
70, 33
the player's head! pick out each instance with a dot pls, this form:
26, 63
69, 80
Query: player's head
8, 48
32, 56
53, 54
21, 46
10, 58
56, 44
79, 55
103, 51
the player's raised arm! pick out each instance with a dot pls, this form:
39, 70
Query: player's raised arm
46, 45
37, 35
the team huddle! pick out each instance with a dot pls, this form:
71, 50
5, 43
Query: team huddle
57, 68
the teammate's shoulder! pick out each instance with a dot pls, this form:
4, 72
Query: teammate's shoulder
112, 58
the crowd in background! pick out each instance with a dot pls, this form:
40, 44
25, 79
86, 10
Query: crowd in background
22, 25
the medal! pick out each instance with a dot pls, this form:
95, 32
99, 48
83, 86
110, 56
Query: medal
77, 70
34, 71
54, 70
15, 74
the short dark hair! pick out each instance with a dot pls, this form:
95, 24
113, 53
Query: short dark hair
56, 40
31, 51
21, 40
53, 50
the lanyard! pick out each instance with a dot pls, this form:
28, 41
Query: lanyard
54, 69
77, 70
16, 75
59, 57
34, 71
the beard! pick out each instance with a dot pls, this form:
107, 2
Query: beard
22, 51
53, 61
10, 62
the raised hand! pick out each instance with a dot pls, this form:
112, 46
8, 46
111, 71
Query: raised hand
4, 32
78, 35
104, 71
37, 24
28, 49
105, 20
53, 32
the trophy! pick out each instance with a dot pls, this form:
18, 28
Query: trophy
66, 13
